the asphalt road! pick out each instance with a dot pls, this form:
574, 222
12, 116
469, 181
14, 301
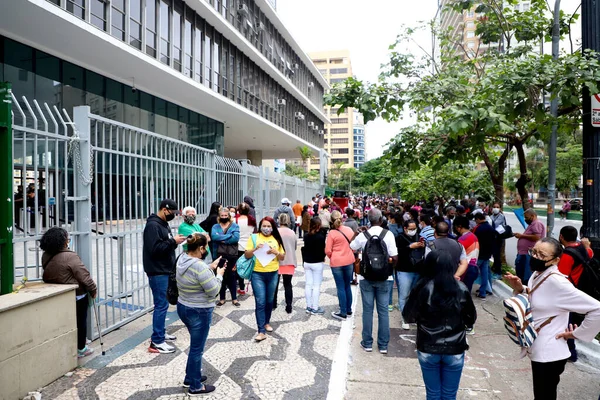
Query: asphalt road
511, 244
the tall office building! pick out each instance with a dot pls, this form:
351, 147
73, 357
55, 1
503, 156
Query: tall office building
358, 140
223, 74
335, 66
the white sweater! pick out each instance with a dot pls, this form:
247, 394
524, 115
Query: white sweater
556, 297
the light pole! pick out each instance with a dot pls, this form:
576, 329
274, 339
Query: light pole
590, 39
553, 137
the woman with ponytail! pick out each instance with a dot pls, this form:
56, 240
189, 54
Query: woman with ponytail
341, 261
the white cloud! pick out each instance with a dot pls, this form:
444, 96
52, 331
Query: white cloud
366, 29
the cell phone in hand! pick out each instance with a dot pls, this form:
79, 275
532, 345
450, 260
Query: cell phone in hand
222, 262
421, 240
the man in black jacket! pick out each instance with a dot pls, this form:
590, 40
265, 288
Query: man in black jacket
159, 262
486, 235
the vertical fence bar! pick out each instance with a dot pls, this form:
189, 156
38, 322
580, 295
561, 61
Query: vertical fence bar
7, 274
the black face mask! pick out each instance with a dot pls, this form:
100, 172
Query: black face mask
223, 220
537, 265
169, 217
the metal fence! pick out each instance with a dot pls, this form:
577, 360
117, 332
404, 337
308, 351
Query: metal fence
100, 179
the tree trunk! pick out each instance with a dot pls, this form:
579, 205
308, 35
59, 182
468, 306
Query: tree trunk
524, 179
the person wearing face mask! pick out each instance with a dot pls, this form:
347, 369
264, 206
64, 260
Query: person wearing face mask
159, 260
534, 232
426, 230
198, 287
554, 298
190, 226
225, 237
264, 277
411, 254
498, 220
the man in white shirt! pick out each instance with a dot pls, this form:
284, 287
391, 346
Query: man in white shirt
376, 291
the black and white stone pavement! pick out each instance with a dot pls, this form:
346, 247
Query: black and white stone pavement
293, 363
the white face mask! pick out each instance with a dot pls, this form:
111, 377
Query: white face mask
232, 214
496, 210
411, 233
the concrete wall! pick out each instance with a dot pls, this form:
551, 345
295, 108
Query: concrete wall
38, 332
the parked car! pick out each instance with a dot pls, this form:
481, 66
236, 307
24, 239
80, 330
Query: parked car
576, 204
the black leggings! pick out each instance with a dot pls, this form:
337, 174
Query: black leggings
546, 377
81, 311
229, 281
240, 280
287, 287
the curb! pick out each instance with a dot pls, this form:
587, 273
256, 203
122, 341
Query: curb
589, 352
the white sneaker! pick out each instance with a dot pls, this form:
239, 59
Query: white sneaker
405, 326
162, 348
170, 337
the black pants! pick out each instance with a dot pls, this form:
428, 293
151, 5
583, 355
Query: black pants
81, 310
497, 249
546, 377
287, 287
229, 281
240, 280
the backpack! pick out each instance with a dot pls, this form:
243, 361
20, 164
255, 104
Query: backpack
589, 281
518, 319
245, 266
172, 290
374, 265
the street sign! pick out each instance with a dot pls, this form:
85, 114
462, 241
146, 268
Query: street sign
596, 110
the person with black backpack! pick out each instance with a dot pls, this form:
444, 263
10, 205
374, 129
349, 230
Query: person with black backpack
573, 262
411, 256
379, 253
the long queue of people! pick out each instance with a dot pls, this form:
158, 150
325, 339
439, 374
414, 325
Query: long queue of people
432, 253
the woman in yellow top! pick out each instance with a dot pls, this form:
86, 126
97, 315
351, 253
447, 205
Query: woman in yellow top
264, 277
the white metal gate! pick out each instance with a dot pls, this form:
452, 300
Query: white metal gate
100, 179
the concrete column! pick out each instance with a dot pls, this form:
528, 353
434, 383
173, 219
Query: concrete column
255, 157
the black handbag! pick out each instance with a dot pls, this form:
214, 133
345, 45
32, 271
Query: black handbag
227, 250
172, 290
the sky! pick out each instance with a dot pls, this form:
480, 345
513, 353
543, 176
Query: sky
366, 28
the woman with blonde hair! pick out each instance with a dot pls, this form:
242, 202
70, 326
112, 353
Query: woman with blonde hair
341, 260
225, 238
288, 265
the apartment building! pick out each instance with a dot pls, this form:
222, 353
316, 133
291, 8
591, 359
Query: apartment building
223, 74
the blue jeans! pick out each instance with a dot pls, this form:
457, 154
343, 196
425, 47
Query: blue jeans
158, 285
470, 276
484, 276
197, 321
371, 292
407, 280
343, 276
441, 374
264, 285
522, 267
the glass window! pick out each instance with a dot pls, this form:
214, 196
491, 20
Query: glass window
471, 45
526, 7
189, 45
338, 71
216, 62
207, 59
470, 25
165, 29
135, 23
177, 11
98, 13
151, 28
198, 54
77, 7
470, 34
470, 14
118, 19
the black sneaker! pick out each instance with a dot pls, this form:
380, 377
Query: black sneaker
203, 379
368, 349
338, 316
205, 389
288, 309
349, 313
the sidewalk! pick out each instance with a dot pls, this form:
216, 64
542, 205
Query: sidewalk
492, 369
293, 363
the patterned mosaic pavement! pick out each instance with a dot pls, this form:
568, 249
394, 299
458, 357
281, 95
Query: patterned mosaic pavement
293, 363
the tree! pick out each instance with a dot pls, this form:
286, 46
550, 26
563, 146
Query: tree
306, 155
483, 103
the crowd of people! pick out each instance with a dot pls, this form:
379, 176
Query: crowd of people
432, 253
